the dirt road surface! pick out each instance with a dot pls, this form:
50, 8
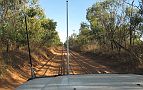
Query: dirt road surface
50, 62
78, 64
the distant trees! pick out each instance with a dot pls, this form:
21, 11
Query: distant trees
114, 25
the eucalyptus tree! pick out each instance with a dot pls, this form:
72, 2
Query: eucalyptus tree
9, 20
12, 27
103, 20
84, 33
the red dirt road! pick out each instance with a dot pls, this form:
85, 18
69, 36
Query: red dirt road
78, 64
49, 62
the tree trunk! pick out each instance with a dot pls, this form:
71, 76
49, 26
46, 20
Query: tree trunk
130, 32
131, 28
7, 47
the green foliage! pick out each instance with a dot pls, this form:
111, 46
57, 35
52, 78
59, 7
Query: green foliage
12, 26
113, 26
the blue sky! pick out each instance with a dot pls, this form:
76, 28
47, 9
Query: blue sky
56, 10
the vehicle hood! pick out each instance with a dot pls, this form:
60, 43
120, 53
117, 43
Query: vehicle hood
86, 82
